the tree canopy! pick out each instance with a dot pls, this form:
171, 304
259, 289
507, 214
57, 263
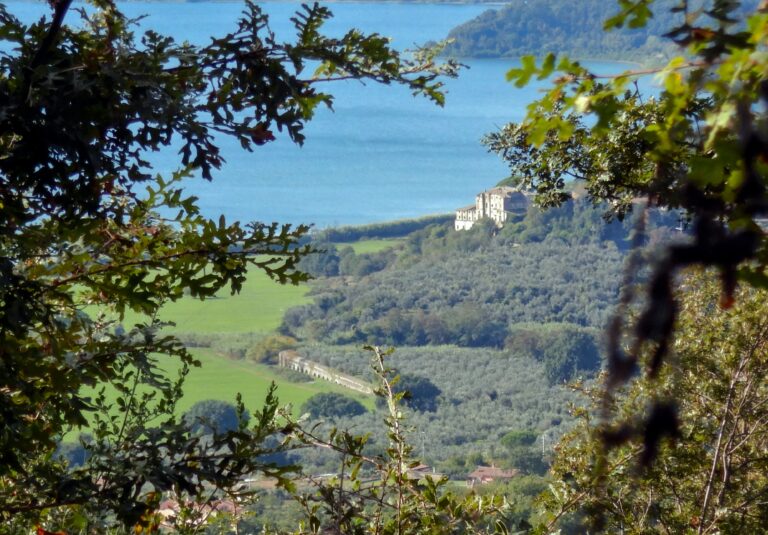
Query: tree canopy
88, 231
699, 146
213, 416
332, 405
419, 393
490, 279
566, 350
711, 478
524, 452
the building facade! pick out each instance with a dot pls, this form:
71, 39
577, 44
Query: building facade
495, 204
489, 474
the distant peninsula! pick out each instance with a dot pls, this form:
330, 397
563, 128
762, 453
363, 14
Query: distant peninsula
566, 27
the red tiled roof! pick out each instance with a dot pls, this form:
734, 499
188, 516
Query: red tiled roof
490, 473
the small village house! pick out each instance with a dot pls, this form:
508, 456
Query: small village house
489, 474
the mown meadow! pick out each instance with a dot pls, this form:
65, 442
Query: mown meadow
220, 377
249, 315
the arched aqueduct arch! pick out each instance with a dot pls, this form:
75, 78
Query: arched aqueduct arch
291, 359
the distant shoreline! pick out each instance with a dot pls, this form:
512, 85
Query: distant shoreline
492, 3
627, 62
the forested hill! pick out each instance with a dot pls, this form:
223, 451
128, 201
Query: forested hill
564, 27
472, 288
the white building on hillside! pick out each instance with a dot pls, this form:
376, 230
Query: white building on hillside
495, 204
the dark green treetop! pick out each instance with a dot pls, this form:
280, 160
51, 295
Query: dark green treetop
700, 146
87, 225
332, 405
211, 416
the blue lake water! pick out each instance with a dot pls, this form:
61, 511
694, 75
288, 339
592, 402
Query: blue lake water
381, 154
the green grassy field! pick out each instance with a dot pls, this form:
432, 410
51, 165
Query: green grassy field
221, 378
371, 246
259, 307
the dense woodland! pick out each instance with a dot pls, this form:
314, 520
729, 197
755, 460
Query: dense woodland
669, 438
518, 311
480, 395
530, 271
484, 354
564, 27
480, 294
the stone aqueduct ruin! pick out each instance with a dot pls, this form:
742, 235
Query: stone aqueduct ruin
292, 360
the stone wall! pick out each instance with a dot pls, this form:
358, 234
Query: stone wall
292, 360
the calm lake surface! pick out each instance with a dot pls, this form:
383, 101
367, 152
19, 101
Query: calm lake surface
381, 154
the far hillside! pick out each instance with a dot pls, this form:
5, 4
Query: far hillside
566, 27
488, 326
464, 400
488, 323
471, 288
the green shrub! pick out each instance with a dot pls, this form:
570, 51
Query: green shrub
332, 405
268, 348
212, 416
